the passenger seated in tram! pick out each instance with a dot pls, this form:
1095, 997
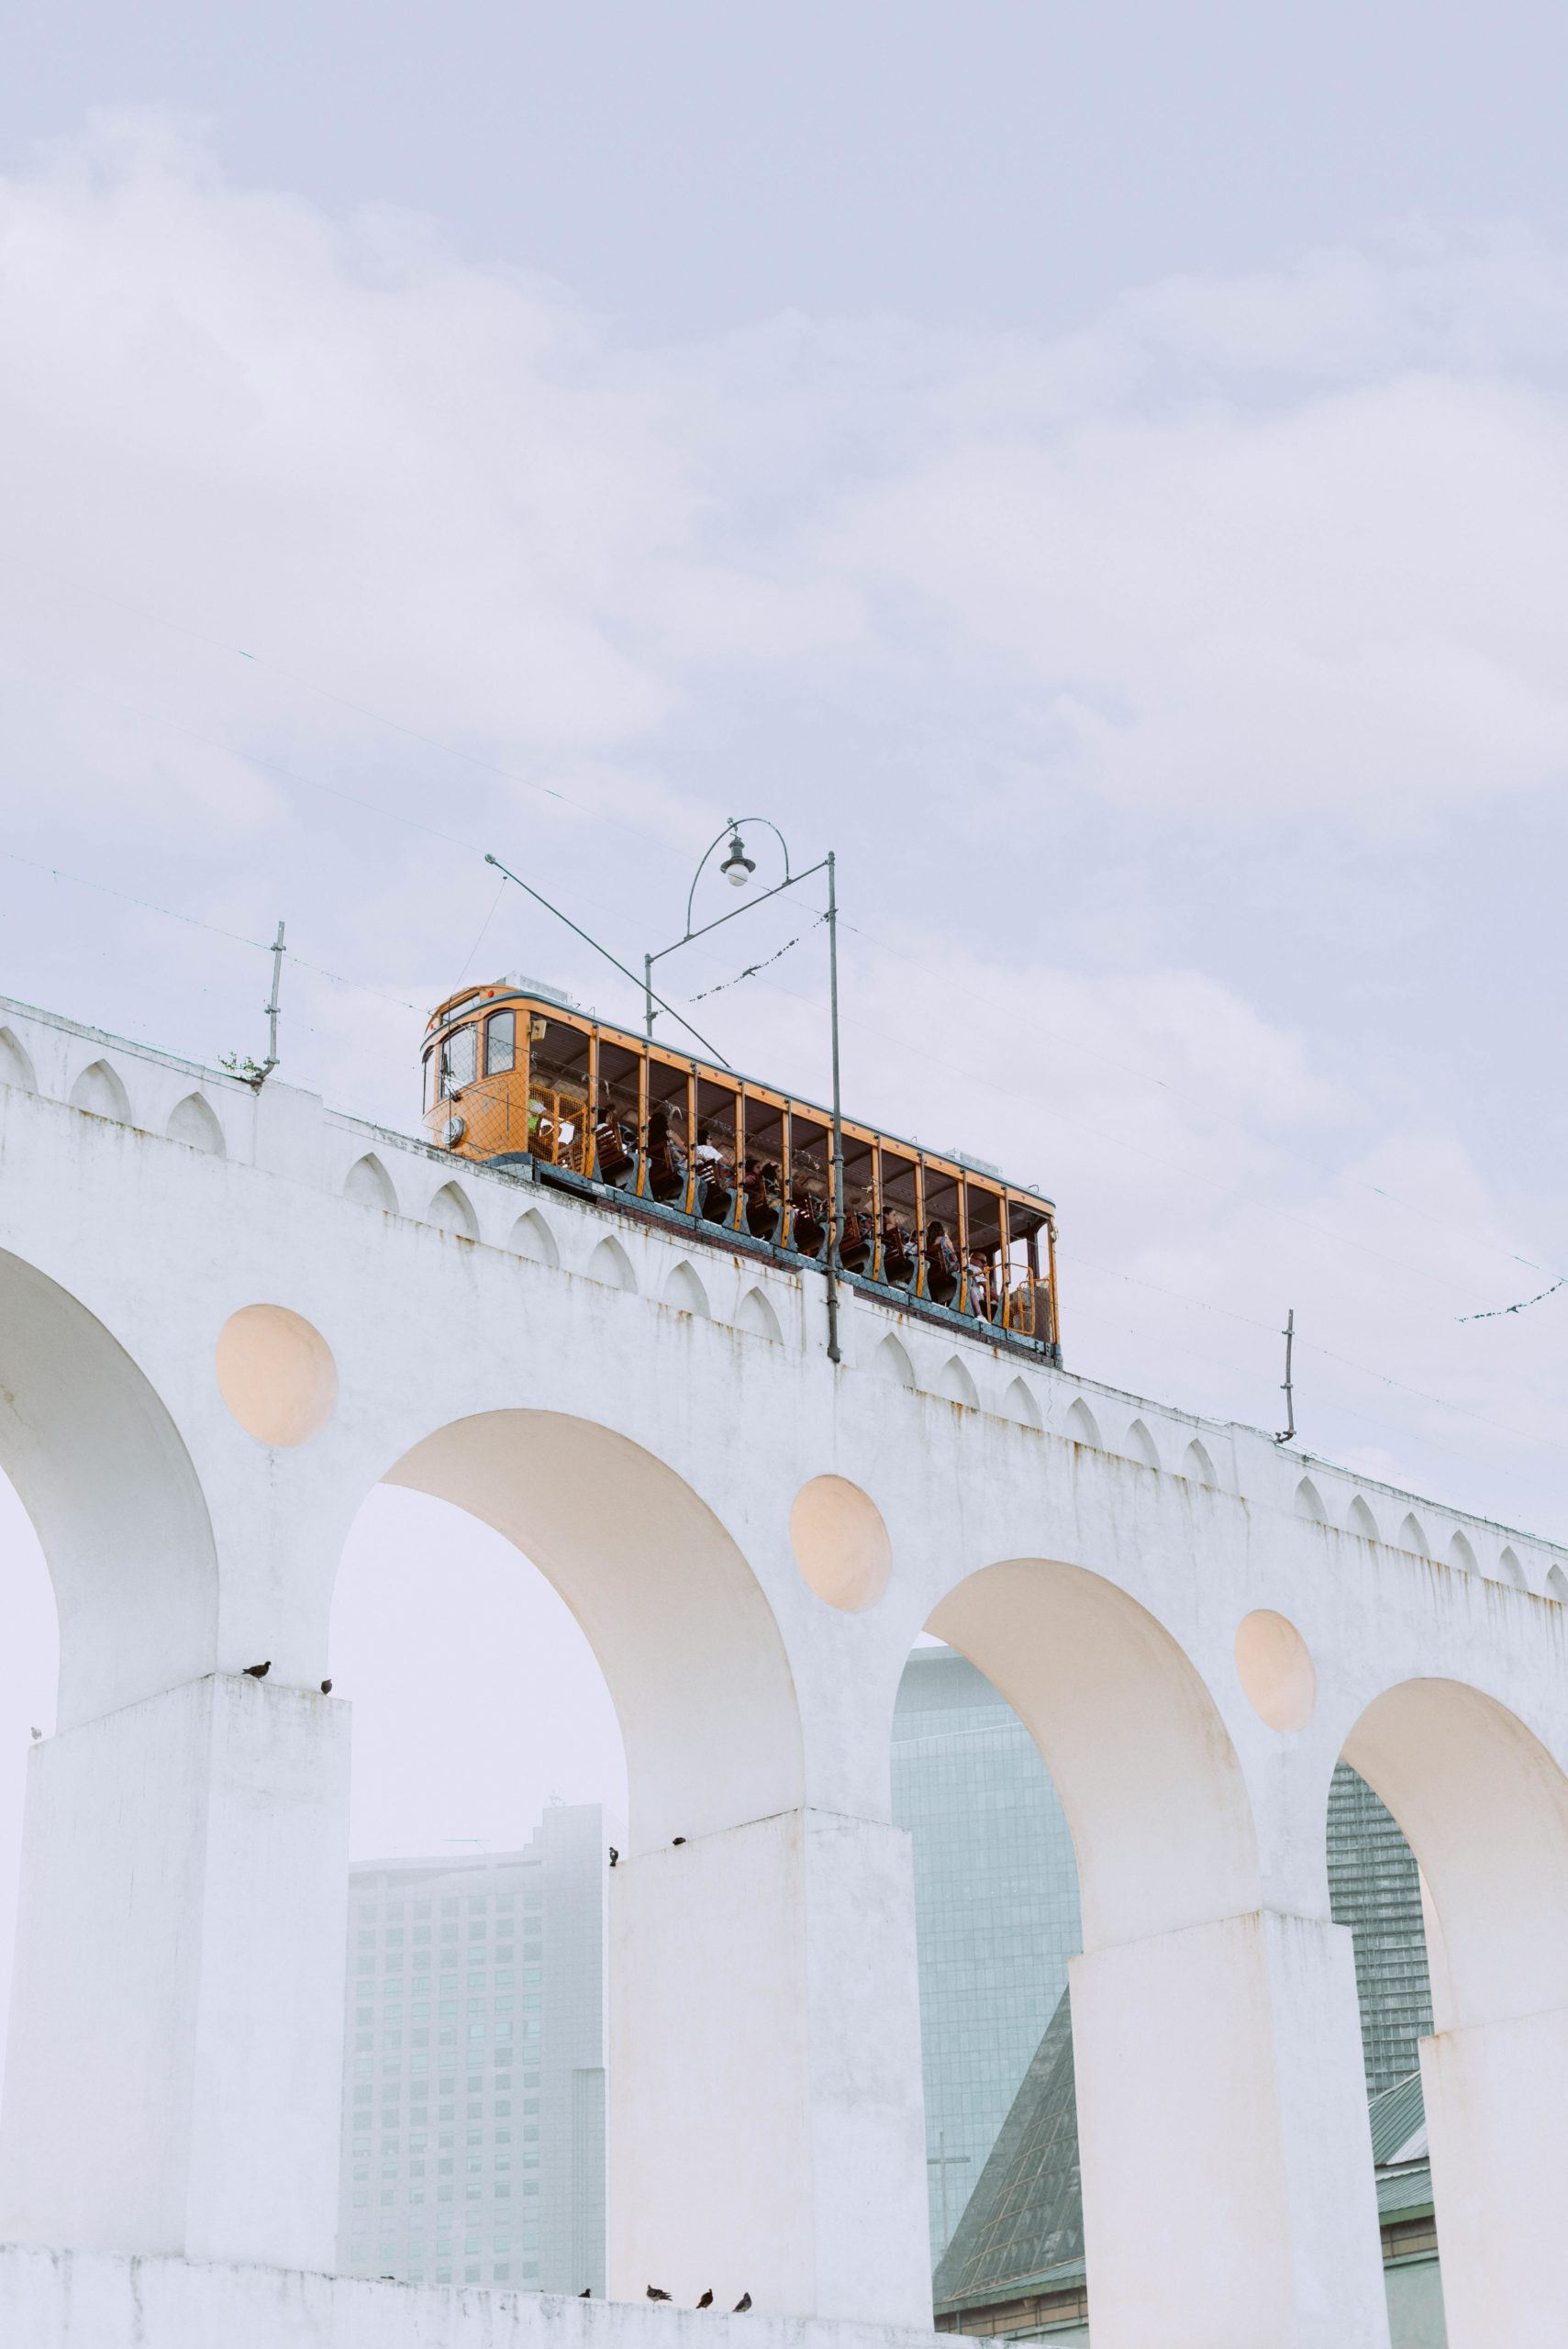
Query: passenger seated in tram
666, 1158
716, 1189
941, 1263
809, 1233
898, 1263
979, 1295
764, 1198
614, 1154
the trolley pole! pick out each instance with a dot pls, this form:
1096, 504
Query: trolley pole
836, 1230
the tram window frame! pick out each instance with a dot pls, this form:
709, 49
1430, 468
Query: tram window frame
982, 1200
452, 1084
669, 1088
906, 1164
622, 1092
765, 1139
718, 1102
862, 1190
495, 1023
941, 1202
577, 1068
819, 1128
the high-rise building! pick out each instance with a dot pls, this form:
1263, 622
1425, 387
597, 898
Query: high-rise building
995, 1909
474, 2088
1375, 1887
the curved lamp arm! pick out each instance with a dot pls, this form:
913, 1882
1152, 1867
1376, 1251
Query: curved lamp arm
732, 825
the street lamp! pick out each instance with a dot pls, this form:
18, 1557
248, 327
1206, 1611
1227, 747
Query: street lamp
737, 868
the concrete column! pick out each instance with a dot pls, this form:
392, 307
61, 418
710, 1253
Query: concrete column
173, 2080
1498, 2128
766, 2129
1226, 2159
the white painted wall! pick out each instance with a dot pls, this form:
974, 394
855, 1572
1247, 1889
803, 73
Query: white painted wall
86, 2300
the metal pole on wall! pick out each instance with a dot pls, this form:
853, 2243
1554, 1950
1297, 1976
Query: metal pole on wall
836, 1224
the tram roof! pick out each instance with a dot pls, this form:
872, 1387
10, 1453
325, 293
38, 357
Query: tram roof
559, 1004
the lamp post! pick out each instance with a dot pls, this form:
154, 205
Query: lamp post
738, 869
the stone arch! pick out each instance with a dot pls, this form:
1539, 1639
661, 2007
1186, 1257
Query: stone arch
1557, 1585
99, 1090
129, 1548
1412, 1535
1485, 1808
368, 1181
16, 1067
610, 1264
1510, 1568
1133, 1741
685, 1294
533, 1237
1308, 1502
452, 1211
683, 1634
1360, 1519
195, 1122
955, 1385
1140, 1445
756, 1317
1083, 1426
1019, 1403
890, 1361
1197, 1465
1461, 1553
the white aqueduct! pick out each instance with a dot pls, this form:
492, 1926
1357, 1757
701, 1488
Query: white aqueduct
225, 1317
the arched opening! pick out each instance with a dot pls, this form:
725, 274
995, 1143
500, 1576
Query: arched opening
112, 1506
1123, 2135
488, 1789
1308, 1502
757, 1317
1360, 1519
30, 1666
452, 1211
661, 1645
1082, 1425
195, 1122
1484, 1809
956, 1385
16, 1067
368, 1181
1141, 1446
99, 1090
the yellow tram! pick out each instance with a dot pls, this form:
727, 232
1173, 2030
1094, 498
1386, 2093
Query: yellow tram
515, 1074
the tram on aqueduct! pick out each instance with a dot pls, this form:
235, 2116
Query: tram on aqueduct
515, 1075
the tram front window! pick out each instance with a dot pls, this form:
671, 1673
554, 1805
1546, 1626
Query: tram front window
500, 1043
460, 1060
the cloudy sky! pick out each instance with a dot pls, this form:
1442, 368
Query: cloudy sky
1103, 472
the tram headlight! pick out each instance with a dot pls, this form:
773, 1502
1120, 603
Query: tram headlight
738, 867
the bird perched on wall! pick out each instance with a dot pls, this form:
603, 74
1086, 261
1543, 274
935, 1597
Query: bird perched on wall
37, 1734
743, 2304
655, 2294
615, 1858
705, 2302
258, 1671
586, 2293
327, 1687
676, 1841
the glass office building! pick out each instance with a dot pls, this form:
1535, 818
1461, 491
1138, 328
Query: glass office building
995, 1909
473, 2089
